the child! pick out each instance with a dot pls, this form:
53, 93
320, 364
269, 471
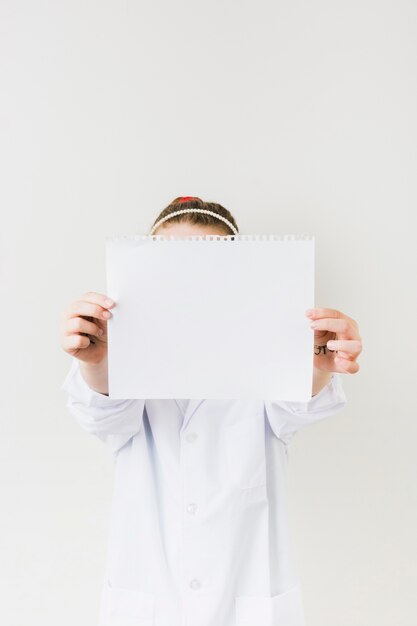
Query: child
198, 533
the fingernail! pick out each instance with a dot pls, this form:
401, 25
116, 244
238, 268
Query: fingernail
331, 344
313, 324
309, 311
106, 314
108, 301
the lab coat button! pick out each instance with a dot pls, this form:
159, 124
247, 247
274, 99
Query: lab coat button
195, 583
191, 508
190, 437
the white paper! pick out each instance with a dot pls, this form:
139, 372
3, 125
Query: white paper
211, 318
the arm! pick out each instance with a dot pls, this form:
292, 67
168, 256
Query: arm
286, 418
111, 420
336, 356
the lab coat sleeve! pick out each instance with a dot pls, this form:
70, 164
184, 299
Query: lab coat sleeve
286, 418
111, 420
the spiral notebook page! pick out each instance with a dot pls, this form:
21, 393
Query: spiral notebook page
211, 318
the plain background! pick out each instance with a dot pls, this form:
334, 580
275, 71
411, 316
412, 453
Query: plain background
298, 116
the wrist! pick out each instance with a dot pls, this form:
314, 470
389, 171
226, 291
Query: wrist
95, 368
320, 379
96, 375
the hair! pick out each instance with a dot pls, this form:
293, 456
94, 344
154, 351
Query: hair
189, 202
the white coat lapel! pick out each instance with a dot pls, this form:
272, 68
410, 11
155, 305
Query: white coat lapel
191, 409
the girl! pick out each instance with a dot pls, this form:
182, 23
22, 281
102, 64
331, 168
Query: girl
198, 531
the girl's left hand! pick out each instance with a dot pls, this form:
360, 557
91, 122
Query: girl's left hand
338, 340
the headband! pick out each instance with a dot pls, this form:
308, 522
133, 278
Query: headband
195, 210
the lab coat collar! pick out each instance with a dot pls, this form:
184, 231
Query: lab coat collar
191, 409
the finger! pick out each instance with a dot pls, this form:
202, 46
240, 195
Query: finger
342, 326
81, 325
101, 300
346, 366
352, 347
98, 298
88, 309
321, 312
75, 342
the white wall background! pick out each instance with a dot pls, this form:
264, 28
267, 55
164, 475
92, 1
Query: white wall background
297, 116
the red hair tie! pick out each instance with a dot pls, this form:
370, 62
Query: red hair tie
185, 198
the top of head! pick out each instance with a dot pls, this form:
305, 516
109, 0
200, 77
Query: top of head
193, 216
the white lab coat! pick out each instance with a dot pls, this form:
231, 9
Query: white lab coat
198, 533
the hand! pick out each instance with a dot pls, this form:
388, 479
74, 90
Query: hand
84, 327
338, 334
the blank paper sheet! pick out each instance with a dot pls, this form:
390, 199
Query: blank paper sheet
210, 318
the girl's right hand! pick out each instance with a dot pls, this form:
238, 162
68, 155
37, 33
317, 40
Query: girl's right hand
84, 327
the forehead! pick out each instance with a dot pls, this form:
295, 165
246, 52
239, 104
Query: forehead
184, 229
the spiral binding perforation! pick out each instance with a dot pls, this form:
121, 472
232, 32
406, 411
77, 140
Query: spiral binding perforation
120, 239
